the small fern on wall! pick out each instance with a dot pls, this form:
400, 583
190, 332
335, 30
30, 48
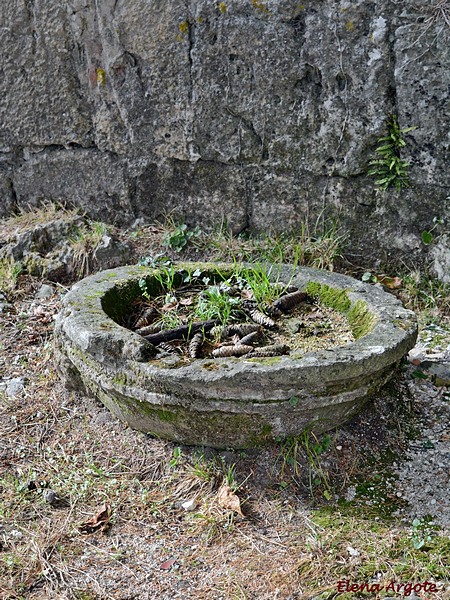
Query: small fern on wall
389, 169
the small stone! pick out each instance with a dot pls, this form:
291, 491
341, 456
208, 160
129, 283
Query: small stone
15, 386
189, 505
52, 497
45, 291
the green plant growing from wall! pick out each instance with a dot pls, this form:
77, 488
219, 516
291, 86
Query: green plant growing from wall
177, 237
389, 168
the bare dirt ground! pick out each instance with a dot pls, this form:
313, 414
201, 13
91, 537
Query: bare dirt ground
90, 509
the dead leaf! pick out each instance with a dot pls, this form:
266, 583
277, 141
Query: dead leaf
390, 282
165, 566
247, 294
186, 301
228, 499
170, 305
98, 522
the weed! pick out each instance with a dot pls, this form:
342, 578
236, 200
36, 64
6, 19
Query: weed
230, 478
214, 303
179, 235
258, 280
426, 295
307, 446
29, 216
144, 289
316, 246
166, 277
85, 242
170, 320
389, 168
158, 260
9, 274
314, 448
422, 531
176, 457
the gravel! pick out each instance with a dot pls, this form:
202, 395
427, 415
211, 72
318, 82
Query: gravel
423, 475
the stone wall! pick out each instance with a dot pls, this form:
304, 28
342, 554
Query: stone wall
260, 113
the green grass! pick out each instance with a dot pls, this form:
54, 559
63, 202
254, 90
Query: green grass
10, 271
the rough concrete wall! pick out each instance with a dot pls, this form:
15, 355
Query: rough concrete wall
261, 113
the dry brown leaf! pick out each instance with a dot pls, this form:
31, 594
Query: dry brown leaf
167, 564
98, 522
247, 294
170, 305
228, 499
390, 282
186, 301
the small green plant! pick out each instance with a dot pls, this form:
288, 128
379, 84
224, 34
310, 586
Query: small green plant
214, 303
85, 242
158, 260
314, 448
257, 279
144, 290
230, 478
389, 169
167, 278
176, 457
179, 235
421, 533
9, 274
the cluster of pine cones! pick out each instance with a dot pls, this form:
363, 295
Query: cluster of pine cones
208, 338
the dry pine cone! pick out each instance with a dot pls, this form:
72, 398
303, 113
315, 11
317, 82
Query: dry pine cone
227, 351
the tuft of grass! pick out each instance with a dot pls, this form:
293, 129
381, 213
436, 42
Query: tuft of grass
29, 216
214, 303
10, 271
84, 243
426, 295
315, 247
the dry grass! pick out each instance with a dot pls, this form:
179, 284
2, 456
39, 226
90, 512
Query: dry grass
288, 544
84, 243
26, 218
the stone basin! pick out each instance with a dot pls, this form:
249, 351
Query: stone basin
229, 402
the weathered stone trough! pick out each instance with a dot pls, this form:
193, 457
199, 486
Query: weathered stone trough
229, 402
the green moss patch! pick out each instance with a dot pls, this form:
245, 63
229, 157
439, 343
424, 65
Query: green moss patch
336, 298
361, 319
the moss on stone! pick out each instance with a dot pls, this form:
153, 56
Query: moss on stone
268, 361
120, 379
167, 416
231, 430
361, 319
336, 298
210, 366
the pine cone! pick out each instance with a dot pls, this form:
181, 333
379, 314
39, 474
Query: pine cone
240, 329
262, 319
227, 351
195, 345
146, 317
288, 301
267, 351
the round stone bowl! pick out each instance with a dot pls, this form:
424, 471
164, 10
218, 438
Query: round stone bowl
229, 402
